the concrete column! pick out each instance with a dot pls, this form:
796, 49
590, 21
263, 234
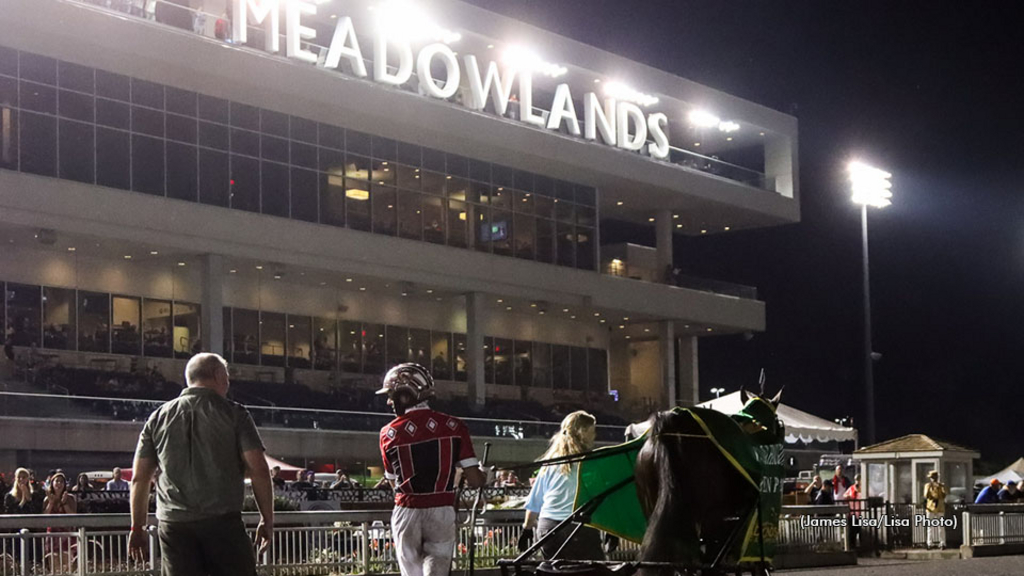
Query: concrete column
213, 303
667, 356
475, 349
780, 164
663, 230
473, 227
689, 378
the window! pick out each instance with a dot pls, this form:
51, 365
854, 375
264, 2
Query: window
147, 94
541, 360
350, 346
332, 199
76, 106
275, 184
245, 183
8, 134
113, 159
434, 183
564, 242
459, 356
112, 114
186, 329
457, 230
147, 165
93, 322
522, 363
357, 204
382, 172
397, 345
410, 215
157, 328
76, 151
304, 195
433, 219
214, 179
544, 206
125, 337
272, 339
597, 370
38, 144
419, 346
440, 354
585, 259
561, 367
182, 172
58, 318
228, 334
300, 347
24, 310
524, 236
113, 86
480, 218
384, 210
37, 97
579, 368
373, 348
407, 177
245, 335
181, 128
75, 77
488, 360
501, 232
503, 361
545, 242
325, 343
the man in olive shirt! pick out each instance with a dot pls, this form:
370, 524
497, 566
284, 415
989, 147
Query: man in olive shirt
205, 445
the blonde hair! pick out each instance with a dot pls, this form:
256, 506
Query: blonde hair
570, 438
26, 496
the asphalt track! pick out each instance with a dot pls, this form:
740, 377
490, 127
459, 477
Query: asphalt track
997, 566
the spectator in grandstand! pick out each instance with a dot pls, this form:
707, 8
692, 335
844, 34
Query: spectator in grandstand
813, 488
840, 484
430, 446
205, 445
990, 494
302, 481
116, 484
1010, 493
342, 481
23, 497
82, 484
825, 496
58, 500
553, 494
275, 477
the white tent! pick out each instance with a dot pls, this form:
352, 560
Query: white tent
799, 424
1013, 472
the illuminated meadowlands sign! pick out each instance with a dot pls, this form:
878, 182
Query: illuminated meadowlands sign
613, 121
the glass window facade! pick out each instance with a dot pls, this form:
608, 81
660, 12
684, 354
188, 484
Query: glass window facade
72, 122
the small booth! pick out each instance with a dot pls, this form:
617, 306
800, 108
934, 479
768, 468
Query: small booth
897, 470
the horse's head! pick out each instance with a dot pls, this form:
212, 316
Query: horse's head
759, 413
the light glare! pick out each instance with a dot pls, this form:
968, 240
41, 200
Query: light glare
869, 185
405, 20
524, 59
620, 91
703, 119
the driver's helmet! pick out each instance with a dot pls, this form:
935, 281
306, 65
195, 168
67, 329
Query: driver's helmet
409, 376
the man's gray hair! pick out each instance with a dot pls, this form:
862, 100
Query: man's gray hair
203, 367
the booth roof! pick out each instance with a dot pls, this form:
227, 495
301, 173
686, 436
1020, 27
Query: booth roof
799, 424
913, 443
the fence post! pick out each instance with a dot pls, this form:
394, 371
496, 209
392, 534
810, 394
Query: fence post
24, 551
366, 548
1002, 527
152, 547
83, 551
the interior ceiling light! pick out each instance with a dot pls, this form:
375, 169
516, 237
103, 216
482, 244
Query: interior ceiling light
522, 58
406, 20
71, 248
620, 91
703, 119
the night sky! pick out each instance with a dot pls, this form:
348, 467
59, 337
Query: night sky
931, 92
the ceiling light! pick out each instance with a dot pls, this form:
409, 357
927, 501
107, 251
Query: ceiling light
277, 276
762, 133
650, 219
603, 320
153, 253
703, 231
627, 337
357, 194
362, 289
533, 305
625, 318
490, 46
500, 300
71, 248
348, 279
127, 256
616, 261
509, 308
181, 263
597, 80
726, 228
679, 225
619, 203
710, 330
232, 271
430, 291
323, 283
573, 317
696, 143
258, 267
565, 310
729, 139
541, 312
597, 313
675, 216
703, 119
622, 326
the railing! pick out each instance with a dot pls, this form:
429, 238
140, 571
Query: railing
993, 524
136, 410
206, 24
813, 529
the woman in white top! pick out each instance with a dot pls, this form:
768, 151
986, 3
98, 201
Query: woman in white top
554, 492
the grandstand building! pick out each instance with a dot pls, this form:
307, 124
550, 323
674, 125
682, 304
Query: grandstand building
320, 190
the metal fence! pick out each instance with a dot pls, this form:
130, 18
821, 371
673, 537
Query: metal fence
993, 524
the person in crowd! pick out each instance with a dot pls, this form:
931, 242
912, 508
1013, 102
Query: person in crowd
82, 484
1009, 494
840, 484
23, 498
553, 494
825, 496
342, 481
275, 477
509, 480
4, 486
205, 445
935, 507
852, 497
382, 483
34, 482
302, 481
58, 499
117, 484
423, 522
853, 492
813, 488
990, 494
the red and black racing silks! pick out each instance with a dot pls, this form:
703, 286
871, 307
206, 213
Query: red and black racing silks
421, 450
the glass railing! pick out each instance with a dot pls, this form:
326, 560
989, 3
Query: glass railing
218, 26
58, 406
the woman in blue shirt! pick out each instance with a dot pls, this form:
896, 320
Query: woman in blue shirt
554, 492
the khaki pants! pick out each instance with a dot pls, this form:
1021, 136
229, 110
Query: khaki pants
424, 540
936, 534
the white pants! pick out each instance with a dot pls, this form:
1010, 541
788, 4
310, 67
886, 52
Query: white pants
936, 534
424, 540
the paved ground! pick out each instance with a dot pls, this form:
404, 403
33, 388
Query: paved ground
997, 566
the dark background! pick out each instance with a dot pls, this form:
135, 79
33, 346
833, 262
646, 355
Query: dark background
932, 92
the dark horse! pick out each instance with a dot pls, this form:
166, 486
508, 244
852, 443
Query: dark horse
696, 499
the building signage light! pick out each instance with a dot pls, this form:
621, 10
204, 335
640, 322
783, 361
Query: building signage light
617, 120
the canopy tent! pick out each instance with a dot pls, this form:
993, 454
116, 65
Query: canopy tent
288, 472
1013, 472
799, 424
